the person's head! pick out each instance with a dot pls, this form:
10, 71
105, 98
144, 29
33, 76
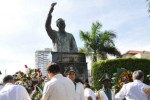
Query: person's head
52, 69
61, 24
105, 80
138, 75
8, 79
106, 83
86, 85
70, 73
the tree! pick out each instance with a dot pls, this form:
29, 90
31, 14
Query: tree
99, 43
148, 5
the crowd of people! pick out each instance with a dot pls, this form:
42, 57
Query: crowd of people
60, 87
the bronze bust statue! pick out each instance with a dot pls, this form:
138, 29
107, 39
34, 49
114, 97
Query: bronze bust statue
62, 41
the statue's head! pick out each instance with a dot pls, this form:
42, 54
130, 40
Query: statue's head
60, 24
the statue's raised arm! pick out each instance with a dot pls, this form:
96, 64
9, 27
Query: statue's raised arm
48, 21
52, 7
62, 40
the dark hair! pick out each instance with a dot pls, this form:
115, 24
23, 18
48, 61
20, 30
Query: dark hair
137, 75
86, 85
53, 68
7, 79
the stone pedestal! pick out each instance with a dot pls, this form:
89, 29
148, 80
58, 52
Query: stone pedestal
75, 60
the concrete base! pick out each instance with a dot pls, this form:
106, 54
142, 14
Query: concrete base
75, 60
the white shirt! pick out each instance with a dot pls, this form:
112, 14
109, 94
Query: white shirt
132, 91
14, 92
59, 88
89, 93
103, 96
79, 91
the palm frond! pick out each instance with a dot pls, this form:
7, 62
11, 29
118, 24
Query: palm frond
100, 43
148, 5
112, 51
95, 29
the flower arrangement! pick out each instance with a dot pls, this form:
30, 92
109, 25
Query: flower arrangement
122, 76
32, 80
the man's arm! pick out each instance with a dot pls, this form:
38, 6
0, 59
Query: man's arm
24, 94
121, 94
82, 92
48, 21
46, 92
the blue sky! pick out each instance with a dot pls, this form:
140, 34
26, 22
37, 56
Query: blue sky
22, 26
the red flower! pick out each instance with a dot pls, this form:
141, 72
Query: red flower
29, 78
32, 88
40, 75
35, 70
21, 73
42, 80
26, 66
44, 77
16, 80
38, 69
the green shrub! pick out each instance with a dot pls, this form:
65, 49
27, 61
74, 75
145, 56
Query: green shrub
110, 67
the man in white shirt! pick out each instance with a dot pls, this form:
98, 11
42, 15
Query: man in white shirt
88, 92
70, 73
59, 87
133, 90
13, 92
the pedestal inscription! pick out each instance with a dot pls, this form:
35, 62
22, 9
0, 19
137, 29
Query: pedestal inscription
75, 60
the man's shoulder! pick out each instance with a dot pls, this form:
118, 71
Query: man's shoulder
19, 87
69, 34
56, 79
79, 84
52, 81
101, 90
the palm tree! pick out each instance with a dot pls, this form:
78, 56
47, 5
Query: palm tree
99, 43
148, 5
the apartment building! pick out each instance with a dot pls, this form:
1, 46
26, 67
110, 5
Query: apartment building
42, 59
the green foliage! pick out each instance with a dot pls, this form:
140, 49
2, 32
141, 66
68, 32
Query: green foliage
99, 43
122, 76
32, 80
110, 67
148, 5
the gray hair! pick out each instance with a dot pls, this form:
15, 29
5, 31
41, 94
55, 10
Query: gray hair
137, 75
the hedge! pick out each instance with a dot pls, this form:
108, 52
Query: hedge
110, 67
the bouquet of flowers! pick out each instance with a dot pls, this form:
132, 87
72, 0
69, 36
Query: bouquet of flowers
32, 80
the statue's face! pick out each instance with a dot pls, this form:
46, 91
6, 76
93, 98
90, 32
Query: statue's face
61, 24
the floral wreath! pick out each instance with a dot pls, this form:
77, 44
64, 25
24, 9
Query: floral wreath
122, 76
32, 80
